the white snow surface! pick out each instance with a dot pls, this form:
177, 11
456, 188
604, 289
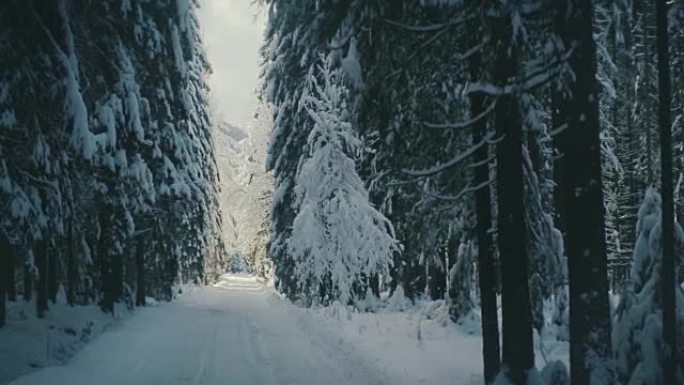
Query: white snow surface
28, 343
240, 332
236, 332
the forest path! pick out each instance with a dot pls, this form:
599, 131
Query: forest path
235, 332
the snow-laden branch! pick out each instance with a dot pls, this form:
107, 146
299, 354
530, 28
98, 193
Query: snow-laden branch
426, 43
482, 162
427, 28
338, 237
416, 52
525, 9
464, 124
486, 88
466, 190
456, 160
471, 51
456, 56
558, 130
490, 140
532, 78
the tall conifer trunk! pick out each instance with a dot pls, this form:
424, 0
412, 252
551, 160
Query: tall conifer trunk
5, 260
491, 351
590, 323
140, 271
518, 354
72, 268
52, 285
40, 252
669, 283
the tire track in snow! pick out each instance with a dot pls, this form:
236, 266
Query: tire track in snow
237, 333
209, 345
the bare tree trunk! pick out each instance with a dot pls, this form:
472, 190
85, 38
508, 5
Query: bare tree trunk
52, 259
8, 268
5, 260
140, 272
3, 309
483, 209
590, 323
117, 276
559, 118
28, 282
518, 354
72, 268
487, 270
107, 301
42, 282
669, 306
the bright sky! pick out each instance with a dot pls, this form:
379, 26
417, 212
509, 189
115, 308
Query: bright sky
233, 31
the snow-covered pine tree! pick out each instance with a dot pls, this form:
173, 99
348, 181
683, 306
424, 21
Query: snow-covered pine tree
287, 55
545, 243
339, 240
410, 97
298, 32
258, 256
637, 338
109, 155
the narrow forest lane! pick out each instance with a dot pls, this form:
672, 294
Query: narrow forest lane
236, 332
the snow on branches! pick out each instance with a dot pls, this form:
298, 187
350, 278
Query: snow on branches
339, 239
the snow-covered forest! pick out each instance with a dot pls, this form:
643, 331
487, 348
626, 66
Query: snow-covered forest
108, 174
433, 191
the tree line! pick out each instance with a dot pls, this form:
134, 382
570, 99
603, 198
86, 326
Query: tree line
511, 148
108, 180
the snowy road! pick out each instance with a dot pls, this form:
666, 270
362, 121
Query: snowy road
236, 332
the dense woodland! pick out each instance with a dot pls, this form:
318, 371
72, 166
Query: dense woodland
465, 150
107, 173
505, 157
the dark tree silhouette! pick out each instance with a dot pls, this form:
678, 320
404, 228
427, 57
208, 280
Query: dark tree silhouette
669, 282
518, 353
590, 323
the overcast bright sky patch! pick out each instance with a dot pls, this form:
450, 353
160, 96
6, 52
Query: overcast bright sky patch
233, 32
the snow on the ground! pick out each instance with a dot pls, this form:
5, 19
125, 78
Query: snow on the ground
408, 348
418, 345
236, 332
28, 343
240, 332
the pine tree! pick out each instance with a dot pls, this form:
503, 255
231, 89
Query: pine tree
339, 241
83, 166
638, 335
289, 35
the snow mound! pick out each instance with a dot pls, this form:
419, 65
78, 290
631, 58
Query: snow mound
29, 343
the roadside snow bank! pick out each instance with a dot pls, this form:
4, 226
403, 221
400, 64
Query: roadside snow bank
416, 344
28, 343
